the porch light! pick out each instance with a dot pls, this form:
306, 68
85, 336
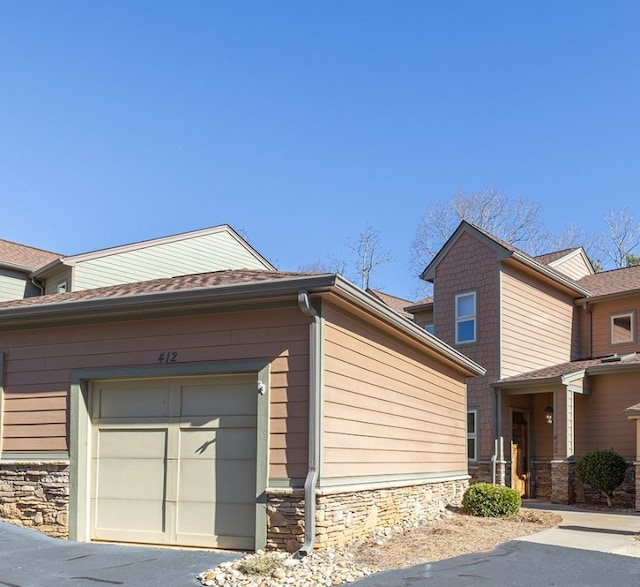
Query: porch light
548, 415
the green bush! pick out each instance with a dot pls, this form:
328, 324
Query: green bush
491, 501
604, 470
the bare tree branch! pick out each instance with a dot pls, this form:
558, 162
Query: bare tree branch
620, 241
368, 255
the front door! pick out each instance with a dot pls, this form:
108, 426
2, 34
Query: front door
519, 460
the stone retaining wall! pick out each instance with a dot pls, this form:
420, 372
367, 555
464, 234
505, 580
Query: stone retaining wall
623, 497
36, 494
351, 515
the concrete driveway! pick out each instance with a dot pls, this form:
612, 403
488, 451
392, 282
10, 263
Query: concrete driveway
31, 559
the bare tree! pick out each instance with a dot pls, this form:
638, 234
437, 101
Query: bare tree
368, 255
620, 241
516, 221
332, 265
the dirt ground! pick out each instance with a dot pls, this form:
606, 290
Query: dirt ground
454, 535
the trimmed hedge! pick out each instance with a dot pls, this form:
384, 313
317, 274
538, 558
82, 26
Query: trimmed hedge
604, 470
491, 501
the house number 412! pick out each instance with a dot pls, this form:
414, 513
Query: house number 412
168, 357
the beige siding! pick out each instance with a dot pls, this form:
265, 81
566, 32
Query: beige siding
574, 266
15, 286
200, 254
387, 409
600, 418
423, 318
38, 365
537, 324
55, 279
601, 325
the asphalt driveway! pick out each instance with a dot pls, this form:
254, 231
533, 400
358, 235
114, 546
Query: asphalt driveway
31, 559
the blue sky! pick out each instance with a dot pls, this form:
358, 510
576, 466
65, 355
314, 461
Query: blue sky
302, 123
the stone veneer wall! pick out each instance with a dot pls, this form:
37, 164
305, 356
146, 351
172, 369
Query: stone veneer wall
541, 479
36, 494
623, 497
351, 515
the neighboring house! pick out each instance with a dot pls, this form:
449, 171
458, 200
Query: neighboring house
242, 408
17, 263
559, 344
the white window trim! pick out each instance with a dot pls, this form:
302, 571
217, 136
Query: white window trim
632, 320
466, 318
430, 326
472, 435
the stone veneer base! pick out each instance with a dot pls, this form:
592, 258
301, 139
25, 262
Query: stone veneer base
346, 515
36, 494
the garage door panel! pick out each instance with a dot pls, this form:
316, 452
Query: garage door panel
134, 400
174, 461
129, 516
210, 444
132, 443
223, 400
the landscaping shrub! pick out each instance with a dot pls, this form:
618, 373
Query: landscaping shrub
491, 501
604, 470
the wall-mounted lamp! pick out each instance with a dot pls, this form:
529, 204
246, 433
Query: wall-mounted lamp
548, 415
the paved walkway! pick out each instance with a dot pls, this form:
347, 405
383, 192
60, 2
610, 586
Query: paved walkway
602, 531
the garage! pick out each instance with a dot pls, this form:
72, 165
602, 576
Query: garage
173, 460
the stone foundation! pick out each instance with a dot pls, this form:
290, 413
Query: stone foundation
342, 517
623, 497
483, 472
563, 486
36, 494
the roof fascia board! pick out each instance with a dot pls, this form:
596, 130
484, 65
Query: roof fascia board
408, 326
430, 272
74, 259
550, 273
607, 297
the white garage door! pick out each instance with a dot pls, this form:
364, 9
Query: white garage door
174, 461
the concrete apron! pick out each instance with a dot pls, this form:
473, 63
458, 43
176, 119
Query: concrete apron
610, 532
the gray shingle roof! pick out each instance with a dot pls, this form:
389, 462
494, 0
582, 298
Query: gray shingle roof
612, 282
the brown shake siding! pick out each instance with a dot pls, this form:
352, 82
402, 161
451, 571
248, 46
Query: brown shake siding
601, 316
536, 324
603, 423
388, 408
38, 367
472, 266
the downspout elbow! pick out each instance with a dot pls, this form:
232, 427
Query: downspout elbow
311, 479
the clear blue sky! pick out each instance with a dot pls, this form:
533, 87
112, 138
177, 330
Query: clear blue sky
303, 122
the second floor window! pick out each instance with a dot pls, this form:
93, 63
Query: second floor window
623, 328
466, 317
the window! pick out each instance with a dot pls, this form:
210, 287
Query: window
62, 287
466, 317
430, 328
472, 435
623, 328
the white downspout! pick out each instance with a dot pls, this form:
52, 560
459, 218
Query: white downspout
314, 427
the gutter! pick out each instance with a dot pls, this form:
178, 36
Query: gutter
315, 388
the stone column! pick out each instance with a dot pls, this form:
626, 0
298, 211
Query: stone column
563, 481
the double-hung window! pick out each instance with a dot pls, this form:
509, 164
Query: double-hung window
623, 327
466, 317
472, 435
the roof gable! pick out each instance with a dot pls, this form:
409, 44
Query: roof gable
23, 257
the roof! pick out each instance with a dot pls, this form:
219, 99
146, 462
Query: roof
193, 293
505, 251
612, 282
548, 258
423, 304
97, 254
555, 373
24, 257
394, 302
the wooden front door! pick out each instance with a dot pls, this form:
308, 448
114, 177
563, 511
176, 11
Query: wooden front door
519, 458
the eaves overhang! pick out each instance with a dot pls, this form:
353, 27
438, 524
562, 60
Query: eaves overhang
190, 300
593, 299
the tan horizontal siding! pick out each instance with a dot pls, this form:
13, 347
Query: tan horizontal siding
601, 325
600, 418
537, 324
574, 267
38, 366
388, 408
